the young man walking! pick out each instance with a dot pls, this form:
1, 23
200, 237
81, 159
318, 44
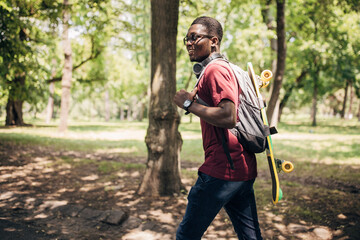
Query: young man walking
218, 185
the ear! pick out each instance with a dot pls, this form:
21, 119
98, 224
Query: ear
214, 41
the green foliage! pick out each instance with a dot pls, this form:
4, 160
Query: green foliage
111, 49
320, 43
23, 42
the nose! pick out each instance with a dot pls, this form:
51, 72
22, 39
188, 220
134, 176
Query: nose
188, 43
188, 46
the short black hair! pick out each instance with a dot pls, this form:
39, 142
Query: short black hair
212, 25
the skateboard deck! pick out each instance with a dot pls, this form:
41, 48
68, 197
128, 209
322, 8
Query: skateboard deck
275, 165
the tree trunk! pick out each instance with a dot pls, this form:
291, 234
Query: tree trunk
349, 114
107, 105
50, 106
129, 113
268, 19
67, 71
315, 76
163, 140
342, 113
14, 114
281, 57
314, 99
358, 115
121, 113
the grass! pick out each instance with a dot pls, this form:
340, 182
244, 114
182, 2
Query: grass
329, 152
331, 142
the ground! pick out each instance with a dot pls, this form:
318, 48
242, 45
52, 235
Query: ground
51, 194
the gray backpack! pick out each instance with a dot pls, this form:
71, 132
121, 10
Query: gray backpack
250, 129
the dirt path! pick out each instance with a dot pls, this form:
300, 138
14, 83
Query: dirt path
46, 194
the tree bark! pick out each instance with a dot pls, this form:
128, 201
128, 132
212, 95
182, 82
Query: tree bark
50, 105
107, 105
14, 114
67, 70
342, 114
163, 140
314, 99
281, 57
358, 115
349, 114
268, 19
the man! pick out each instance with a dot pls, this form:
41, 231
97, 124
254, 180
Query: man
218, 184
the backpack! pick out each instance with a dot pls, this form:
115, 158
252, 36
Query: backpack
250, 129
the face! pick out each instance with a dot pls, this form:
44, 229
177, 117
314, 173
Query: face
199, 44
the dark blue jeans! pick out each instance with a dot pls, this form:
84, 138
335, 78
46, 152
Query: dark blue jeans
208, 196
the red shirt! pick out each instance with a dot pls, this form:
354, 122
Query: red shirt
219, 83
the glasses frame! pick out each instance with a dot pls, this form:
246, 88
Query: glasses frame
197, 37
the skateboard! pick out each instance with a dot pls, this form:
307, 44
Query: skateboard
275, 165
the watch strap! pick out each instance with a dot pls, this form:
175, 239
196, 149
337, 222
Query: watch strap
187, 108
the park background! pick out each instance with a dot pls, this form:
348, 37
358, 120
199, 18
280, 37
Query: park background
86, 111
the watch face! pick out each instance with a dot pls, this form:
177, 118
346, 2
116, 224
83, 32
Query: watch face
187, 103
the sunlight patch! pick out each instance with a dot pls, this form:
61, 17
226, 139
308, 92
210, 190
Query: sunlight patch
36, 184
6, 195
130, 134
5, 176
354, 162
29, 203
41, 216
161, 216
48, 170
90, 177
52, 204
137, 234
63, 190
87, 188
42, 160
9, 229
118, 150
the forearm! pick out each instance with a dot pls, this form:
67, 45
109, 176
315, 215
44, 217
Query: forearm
222, 116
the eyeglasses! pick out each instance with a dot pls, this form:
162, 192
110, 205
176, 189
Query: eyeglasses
195, 38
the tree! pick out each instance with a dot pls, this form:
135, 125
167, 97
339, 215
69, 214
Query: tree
21, 48
67, 70
280, 63
89, 18
163, 140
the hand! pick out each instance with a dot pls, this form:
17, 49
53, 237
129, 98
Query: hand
182, 95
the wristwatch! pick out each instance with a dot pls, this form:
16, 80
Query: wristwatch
186, 105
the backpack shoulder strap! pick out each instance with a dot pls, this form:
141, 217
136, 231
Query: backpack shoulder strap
246, 86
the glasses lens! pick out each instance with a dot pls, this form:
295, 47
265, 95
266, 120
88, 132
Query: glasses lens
192, 38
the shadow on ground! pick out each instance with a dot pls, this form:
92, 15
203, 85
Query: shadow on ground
48, 194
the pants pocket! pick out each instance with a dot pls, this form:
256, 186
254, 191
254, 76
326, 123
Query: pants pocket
204, 178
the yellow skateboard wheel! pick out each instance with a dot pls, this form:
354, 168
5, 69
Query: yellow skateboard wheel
265, 77
287, 166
